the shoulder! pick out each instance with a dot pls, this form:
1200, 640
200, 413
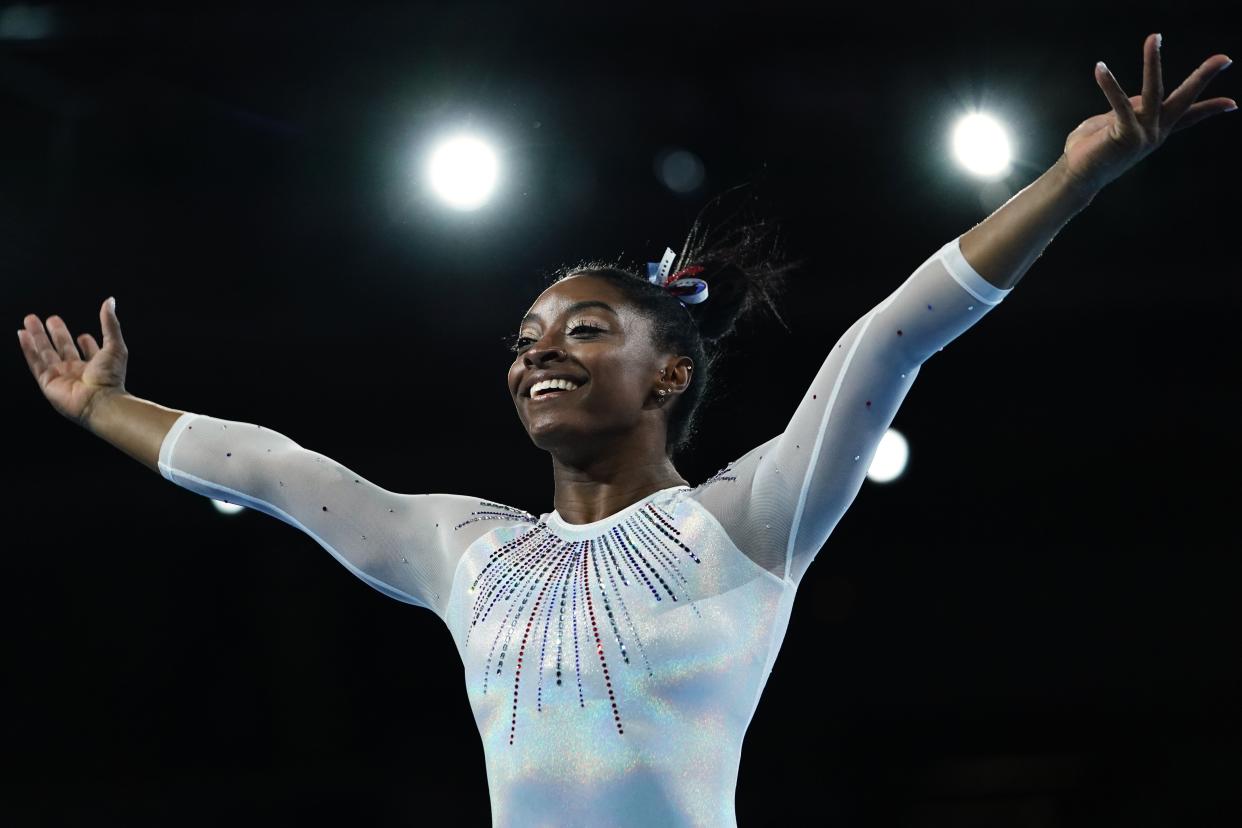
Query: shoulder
474, 509
464, 509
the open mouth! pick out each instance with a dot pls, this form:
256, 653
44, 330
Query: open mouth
553, 392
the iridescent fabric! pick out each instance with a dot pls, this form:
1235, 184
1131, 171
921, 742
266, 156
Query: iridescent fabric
613, 667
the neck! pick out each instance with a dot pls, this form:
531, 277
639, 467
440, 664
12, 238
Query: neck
592, 490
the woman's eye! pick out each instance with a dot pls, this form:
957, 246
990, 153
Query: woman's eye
523, 342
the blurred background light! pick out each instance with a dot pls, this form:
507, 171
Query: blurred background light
463, 172
226, 508
23, 21
981, 145
679, 169
890, 458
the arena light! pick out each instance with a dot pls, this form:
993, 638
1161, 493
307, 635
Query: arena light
463, 172
679, 169
890, 458
981, 145
27, 21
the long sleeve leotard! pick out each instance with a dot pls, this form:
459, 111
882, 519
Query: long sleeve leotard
613, 667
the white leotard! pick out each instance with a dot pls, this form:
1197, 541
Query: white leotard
613, 667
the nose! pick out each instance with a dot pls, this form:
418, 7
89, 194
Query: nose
537, 355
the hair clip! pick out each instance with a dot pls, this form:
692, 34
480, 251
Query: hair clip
682, 284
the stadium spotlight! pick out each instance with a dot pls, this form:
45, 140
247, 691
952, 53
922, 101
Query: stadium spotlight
890, 458
981, 145
463, 172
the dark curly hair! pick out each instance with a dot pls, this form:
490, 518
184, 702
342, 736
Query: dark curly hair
744, 270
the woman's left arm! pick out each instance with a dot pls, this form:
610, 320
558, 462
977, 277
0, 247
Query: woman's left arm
1004, 245
780, 501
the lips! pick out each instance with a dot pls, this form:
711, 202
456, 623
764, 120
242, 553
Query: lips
558, 392
553, 394
537, 378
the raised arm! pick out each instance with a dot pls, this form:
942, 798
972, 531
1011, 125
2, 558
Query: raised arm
406, 546
91, 392
780, 501
1097, 152
134, 425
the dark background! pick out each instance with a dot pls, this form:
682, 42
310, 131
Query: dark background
1036, 626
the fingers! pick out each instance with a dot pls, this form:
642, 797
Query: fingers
89, 348
111, 327
61, 339
29, 350
1153, 81
1201, 110
37, 339
42, 353
1116, 97
1191, 88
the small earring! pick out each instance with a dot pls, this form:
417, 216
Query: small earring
661, 393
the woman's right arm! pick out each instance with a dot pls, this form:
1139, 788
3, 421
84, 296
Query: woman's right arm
135, 426
91, 391
406, 546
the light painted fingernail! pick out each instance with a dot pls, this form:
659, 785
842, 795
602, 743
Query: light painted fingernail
1231, 108
1101, 65
1159, 38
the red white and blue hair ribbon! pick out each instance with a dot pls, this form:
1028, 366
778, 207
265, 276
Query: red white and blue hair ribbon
682, 284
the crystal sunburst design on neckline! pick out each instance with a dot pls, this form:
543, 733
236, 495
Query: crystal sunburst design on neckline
723, 474
552, 592
496, 511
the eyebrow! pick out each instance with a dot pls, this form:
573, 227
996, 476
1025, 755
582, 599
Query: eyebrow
576, 306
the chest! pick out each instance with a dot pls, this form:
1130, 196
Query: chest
657, 616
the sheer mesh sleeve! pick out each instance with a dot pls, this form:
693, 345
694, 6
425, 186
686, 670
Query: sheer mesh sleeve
781, 500
406, 546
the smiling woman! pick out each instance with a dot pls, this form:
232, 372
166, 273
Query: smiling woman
635, 624
628, 363
615, 648
666, 339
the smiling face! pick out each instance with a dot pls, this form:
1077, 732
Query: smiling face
582, 328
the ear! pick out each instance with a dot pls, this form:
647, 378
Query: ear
677, 374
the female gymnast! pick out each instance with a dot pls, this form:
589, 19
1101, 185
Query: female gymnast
615, 648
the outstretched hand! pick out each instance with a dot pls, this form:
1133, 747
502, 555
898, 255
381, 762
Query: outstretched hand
1105, 146
71, 380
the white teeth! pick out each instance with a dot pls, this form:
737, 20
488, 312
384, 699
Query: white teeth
562, 384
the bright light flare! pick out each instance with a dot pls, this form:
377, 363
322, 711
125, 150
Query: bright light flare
226, 508
463, 172
890, 458
981, 145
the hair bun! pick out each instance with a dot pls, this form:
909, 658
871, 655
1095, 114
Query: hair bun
743, 266
727, 299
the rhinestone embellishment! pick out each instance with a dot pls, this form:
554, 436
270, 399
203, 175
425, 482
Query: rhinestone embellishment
553, 594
